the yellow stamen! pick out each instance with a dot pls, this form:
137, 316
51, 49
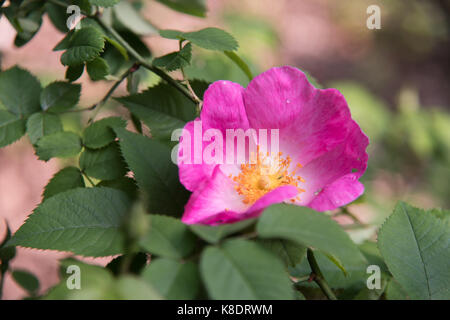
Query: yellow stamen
267, 174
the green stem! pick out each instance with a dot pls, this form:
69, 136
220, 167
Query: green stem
102, 102
145, 63
135, 54
318, 277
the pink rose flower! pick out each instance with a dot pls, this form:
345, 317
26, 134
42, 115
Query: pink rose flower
322, 149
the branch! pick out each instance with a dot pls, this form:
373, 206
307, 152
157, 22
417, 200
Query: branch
145, 63
135, 54
98, 105
318, 277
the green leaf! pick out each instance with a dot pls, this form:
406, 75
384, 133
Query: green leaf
104, 3
213, 234
74, 72
132, 19
192, 7
414, 244
175, 60
42, 124
208, 38
85, 221
162, 108
290, 252
172, 279
97, 69
243, 270
394, 291
103, 164
12, 128
60, 96
57, 15
372, 294
125, 184
311, 229
63, 44
99, 134
132, 288
19, 91
370, 250
66, 179
154, 172
240, 63
168, 237
85, 45
61, 144
26, 280
95, 282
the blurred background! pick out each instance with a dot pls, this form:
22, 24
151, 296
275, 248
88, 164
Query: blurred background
395, 79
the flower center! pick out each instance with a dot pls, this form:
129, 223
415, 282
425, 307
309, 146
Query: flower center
264, 175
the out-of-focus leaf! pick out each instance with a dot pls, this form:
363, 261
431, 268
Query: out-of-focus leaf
172, 279
192, 7
131, 18
208, 38
168, 237
213, 234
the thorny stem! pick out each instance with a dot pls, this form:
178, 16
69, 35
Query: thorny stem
318, 277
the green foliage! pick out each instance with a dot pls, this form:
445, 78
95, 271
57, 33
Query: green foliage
65, 179
172, 279
104, 3
308, 227
192, 7
12, 128
74, 72
84, 221
161, 108
128, 16
168, 237
85, 45
240, 63
97, 69
208, 38
26, 280
242, 269
414, 244
290, 252
60, 96
104, 164
98, 283
213, 234
155, 174
175, 60
100, 133
42, 124
60, 144
19, 91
